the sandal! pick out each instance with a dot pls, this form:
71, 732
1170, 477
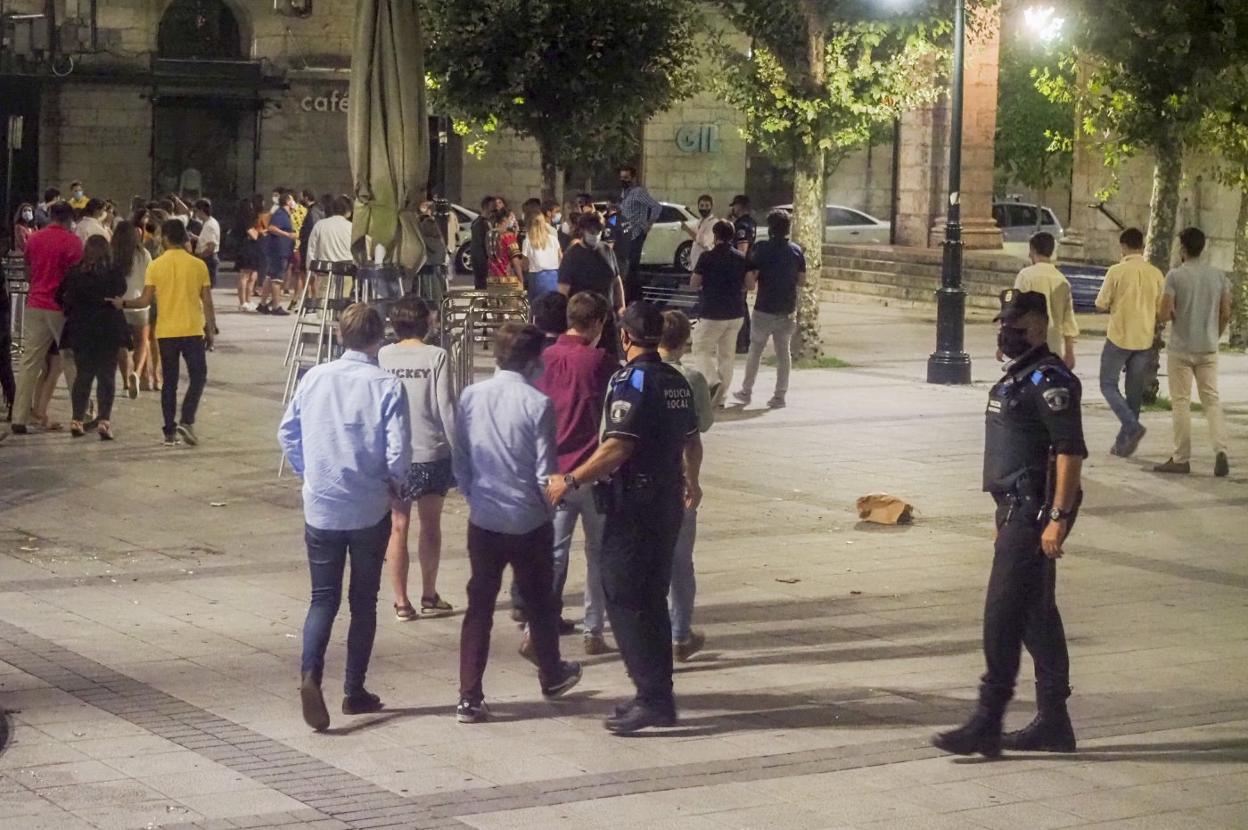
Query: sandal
105, 430
434, 607
404, 612
76, 430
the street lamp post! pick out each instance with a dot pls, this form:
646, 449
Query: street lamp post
950, 363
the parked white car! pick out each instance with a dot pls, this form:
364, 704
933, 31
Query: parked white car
667, 245
1018, 221
842, 226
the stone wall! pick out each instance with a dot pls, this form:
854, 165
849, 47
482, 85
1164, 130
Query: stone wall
864, 180
303, 140
99, 134
510, 168
1203, 202
694, 148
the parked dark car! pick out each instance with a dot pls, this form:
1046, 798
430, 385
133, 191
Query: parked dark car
1085, 284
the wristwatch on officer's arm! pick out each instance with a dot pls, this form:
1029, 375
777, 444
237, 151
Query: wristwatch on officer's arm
1057, 514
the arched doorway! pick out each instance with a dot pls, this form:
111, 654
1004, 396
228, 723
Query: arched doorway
205, 125
200, 30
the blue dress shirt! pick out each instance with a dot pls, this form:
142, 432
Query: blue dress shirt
348, 433
504, 453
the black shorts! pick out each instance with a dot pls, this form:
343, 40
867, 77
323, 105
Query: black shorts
428, 478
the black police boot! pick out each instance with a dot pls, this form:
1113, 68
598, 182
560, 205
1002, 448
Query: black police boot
1050, 730
981, 734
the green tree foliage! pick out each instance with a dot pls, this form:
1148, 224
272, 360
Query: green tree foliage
819, 76
1033, 142
1150, 72
579, 80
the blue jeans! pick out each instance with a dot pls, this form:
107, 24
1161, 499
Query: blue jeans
542, 282
327, 556
1113, 361
577, 504
684, 583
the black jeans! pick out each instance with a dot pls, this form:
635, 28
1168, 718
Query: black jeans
531, 559
190, 349
637, 546
8, 384
102, 369
327, 557
632, 276
1021, 608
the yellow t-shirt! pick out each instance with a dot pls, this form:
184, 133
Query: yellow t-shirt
179, 279
1131, 294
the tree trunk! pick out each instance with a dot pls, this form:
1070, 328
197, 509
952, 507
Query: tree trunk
550, 171
1239, 277
1163, 208
808, 201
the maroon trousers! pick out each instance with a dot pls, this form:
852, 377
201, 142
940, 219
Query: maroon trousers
532, 563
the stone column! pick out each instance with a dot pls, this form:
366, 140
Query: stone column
924, 177
979, 130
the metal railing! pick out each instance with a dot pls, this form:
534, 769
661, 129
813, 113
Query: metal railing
469, 321
17, 286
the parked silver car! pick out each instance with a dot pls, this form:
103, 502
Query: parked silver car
842, 226
1018, 221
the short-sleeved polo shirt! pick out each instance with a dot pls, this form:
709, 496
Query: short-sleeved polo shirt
179, 279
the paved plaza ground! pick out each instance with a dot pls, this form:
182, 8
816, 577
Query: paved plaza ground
151, 601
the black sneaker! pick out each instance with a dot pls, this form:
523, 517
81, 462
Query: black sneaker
172, 441
571, 676
361, 703
278, 311
263, 308
1221, 466
566, 627
187, 433
469, 712
18, 429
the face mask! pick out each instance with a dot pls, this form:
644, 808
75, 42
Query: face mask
28, 215
558, 218
1013, 342
77, 194
275, 201
704, 212
591, 239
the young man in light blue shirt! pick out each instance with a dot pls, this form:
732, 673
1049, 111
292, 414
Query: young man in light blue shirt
504, 453
347, 432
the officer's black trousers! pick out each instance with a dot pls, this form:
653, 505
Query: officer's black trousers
1021, 609
636, 564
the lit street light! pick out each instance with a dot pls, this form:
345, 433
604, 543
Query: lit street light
950, 363
1043, 24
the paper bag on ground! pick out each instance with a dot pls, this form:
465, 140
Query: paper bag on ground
883, 509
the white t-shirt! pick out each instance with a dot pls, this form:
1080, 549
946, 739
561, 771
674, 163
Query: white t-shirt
703, 239
89, 226
330, 240
542, 259
210, 234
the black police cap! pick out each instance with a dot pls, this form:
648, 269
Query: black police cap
1017, 304
643, 322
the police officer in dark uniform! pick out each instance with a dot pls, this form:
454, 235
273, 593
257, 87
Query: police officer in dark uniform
645, 473
745, 234
1032, 459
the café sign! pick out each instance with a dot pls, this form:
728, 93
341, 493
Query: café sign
335, 101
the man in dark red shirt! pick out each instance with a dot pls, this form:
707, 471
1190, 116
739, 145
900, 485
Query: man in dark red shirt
576, 378
50, 253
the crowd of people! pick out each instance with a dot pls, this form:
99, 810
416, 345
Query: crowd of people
591, 419
95, 282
